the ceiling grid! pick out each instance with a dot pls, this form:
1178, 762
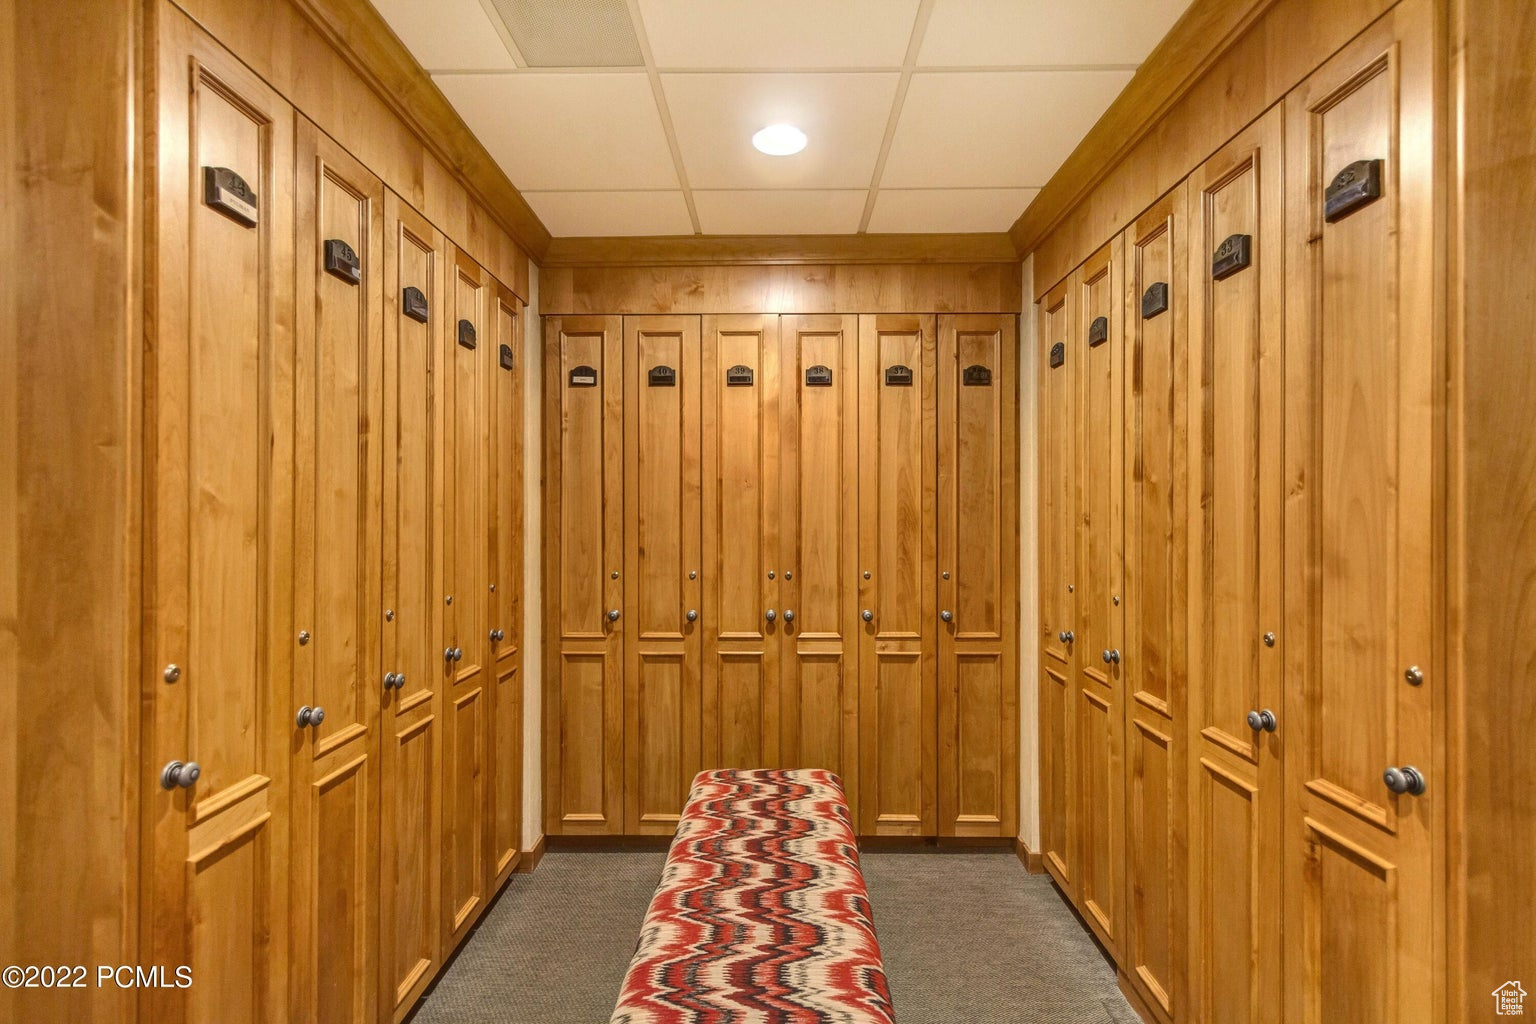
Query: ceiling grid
924, 116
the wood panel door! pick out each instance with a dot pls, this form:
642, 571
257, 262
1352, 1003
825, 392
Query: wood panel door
410, 729
466, 588
662, 686
1099, 694
898, 700
818, 547
583, 561
504, 405
978, 555
1363, 598
739, 386
219, 641
1061, 353
1235, 507
1156, 594
336, 582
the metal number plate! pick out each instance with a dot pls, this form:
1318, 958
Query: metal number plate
466, 334
738, 376
1098, 332
898, 376
505, 357
818, 376
227, 192
341, 261
1154, 300
1231, 256
1058, 354
663, 377
583, 377
414, 304
1352, 188
976, 376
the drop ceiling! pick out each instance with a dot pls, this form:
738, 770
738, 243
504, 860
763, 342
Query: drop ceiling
634, 117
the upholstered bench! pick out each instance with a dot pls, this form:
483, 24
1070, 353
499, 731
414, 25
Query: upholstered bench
761, 915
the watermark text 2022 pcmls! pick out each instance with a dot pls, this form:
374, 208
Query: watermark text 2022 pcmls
124, 976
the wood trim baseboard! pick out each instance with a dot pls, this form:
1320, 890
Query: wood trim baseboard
1033, 862
528, 863
732, 250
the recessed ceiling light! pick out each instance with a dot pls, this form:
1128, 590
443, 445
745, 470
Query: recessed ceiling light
779, 140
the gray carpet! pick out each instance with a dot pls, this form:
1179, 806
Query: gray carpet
967, 936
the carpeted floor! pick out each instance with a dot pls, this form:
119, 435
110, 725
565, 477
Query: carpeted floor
968, 937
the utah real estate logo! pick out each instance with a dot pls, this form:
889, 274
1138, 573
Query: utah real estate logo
1509, 999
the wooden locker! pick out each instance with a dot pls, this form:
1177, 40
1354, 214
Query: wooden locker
410, 730
898, 714
740, 387
815, 572
504, 405
466, 573
336, 596
977, 585
662, 698
1098, 694
583, 560
219, 639
1061, 353
1156, 594
1236, 281
1363, 593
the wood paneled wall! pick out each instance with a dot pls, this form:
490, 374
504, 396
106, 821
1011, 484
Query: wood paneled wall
779, 288
1492, 491
69, 446
1261, 65
398, 126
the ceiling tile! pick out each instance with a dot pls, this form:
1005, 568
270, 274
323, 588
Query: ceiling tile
778, 33
968, 33
844, 115
447, 34
995, 129
567, 131
571, 33
569, 214
805, 212
944, 210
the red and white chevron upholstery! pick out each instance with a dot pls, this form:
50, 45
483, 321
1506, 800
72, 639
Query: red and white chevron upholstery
761, 916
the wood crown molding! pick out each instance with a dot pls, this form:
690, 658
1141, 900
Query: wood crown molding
362, 38
1201, 35
727, 250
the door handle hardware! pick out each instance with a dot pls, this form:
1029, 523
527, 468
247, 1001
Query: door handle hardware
177, 773
693, 615
1112, 656
1407, 779
498, 635
1066, 636
789, 615
613, 615
867, 615
770, 614
1262, 721
310, 715
389, 681
947, 615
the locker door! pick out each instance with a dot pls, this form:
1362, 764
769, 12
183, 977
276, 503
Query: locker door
1363, 596
898, 715
741, 444
815, 571
583, 558
1156, 588
504, 405
219, 639
977, 578
662, 698
1099, 692
337, 502
466, 587
410, 829
1235, 508
1061, 353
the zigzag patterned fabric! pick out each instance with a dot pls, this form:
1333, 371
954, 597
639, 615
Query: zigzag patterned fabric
761, 916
